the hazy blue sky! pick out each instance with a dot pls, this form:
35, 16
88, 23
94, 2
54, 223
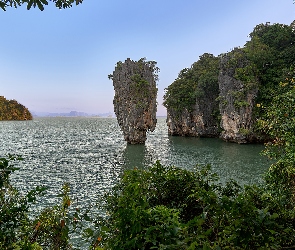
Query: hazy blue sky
59, 60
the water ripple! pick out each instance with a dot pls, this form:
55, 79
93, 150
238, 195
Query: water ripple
90, 154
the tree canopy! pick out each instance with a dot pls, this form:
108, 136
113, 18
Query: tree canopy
61, 4
191, 82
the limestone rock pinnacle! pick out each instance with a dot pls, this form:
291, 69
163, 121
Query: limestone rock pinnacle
135, 98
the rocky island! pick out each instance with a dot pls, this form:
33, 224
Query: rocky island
134, 102
226, 96
12, 110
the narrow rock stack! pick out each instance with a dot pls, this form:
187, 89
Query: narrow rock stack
135, 98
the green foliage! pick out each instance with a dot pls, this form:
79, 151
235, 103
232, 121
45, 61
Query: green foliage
52, 226
244, 131
142, 91
194, 82
141, 87
140, 82
152, 66
172, 208
49, 230
61, 4
240, 66
272, 52
246, 74
279, 124
12, 110
14, 221
240, 104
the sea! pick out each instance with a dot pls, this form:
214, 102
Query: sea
90, 154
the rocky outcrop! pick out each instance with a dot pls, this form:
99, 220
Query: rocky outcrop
224, 99
181, 124
12, 110
201, 121
192, 108
135, 98
236, 99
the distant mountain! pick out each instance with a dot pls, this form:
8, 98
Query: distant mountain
71, 114
12, 110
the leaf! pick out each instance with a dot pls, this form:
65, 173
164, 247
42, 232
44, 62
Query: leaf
44, 2
274, 216
88, 232
40, 5
105, 229
2, 6
86, 217
30, 3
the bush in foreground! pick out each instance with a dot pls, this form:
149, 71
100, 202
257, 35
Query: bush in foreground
49, 230
172, 208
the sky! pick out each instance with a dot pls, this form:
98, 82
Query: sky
59, 60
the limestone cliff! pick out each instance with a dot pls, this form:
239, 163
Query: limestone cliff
236, 98
192, 109
183, 124
214, 98
135, 98
200, 121
12, 110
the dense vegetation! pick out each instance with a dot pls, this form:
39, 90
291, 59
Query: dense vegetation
192, 83
12, 110
271, 56
172, 208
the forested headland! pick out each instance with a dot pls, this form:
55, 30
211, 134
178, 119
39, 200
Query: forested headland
12, 110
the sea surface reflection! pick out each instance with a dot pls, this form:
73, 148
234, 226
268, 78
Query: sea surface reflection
90, 154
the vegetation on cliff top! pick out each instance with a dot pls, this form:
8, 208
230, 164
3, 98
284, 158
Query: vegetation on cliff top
12, 110
271, 52
191, 83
